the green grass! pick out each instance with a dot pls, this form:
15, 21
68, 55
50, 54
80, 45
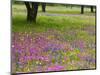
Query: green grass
51, 22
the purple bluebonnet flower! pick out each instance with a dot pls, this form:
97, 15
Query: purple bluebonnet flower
33, 50
53, 47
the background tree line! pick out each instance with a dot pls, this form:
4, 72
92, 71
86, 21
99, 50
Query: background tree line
32, 8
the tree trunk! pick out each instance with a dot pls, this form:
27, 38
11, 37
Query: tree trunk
92, 9
43, 7
32, 9
35, 10
82, 9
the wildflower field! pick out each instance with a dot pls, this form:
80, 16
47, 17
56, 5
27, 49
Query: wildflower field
54, 43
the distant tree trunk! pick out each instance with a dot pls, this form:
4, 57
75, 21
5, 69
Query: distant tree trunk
43, 7
82, 9
71, 6
32, 8
92, 9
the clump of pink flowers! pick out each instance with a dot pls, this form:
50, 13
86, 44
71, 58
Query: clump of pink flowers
55, 68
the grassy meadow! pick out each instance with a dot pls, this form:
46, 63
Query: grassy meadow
61, 39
